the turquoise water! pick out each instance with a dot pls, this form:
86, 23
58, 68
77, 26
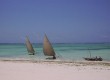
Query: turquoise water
63, 51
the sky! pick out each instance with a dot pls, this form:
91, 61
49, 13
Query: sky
64, 21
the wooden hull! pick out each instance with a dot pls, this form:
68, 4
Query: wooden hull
52, 57
93, 59
31, 53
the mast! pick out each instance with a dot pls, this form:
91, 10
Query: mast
47, 48
90, 53
29, 47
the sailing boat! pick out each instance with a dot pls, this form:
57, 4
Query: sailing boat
29, 47
93, 58
47, 48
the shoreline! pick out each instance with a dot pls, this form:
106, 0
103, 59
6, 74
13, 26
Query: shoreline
78, 63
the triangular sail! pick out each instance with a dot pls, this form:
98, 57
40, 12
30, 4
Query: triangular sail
47, 48
29, 47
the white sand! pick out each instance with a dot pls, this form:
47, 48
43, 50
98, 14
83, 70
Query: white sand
53, 71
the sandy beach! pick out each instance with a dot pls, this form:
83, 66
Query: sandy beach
17, 70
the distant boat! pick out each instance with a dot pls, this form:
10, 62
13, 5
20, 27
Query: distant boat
47, 48
93, 58
29, 46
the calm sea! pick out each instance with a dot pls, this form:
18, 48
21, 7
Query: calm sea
63, 51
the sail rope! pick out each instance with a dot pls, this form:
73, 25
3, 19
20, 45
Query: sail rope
59, 56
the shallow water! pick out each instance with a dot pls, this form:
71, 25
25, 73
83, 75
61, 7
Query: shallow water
63, 51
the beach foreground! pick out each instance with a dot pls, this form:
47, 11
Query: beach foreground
17, 70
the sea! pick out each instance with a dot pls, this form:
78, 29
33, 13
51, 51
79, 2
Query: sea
64, 51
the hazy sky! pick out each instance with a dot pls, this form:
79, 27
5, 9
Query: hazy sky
70, 21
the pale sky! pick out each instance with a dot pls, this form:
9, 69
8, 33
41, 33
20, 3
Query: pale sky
64, 21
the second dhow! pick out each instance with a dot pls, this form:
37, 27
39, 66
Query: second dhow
47, 48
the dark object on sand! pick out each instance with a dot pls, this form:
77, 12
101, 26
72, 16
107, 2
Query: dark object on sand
93, 58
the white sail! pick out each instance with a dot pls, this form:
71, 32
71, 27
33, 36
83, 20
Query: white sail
29, 47
47, 48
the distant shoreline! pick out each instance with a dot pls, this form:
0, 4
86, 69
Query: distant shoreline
65, 43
